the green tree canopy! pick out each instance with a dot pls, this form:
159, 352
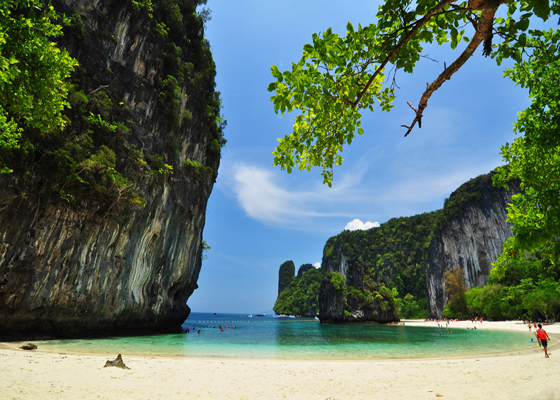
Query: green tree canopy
33, 74
339, 77
303, 269
534, 156
455, 289
526, 289
301, 295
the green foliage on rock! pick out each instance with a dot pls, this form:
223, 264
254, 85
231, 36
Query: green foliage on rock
396, 251
34, 76
303, 269
285, 275
201, 169
69, 127
373, 301
301, 295
337, 280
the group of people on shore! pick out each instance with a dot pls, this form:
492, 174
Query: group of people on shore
542, 336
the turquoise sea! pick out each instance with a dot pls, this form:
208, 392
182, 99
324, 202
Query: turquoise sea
266, 337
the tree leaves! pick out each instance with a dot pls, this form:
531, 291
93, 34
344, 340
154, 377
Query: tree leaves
338, 77
326, 87
534, 156
276, 73
33, 73
541, 8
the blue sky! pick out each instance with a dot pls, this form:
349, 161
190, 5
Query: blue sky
259, 216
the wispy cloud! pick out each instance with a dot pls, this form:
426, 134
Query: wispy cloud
262, 196
273, 197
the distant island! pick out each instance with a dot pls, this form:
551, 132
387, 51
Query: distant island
431, 265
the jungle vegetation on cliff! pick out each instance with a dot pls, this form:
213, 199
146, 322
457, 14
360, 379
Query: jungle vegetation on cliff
338, 78
392, 260
70, 129
300, 296
34, 76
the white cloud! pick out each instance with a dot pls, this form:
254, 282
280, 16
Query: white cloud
263, 198
301, 202
357, 224
317, 265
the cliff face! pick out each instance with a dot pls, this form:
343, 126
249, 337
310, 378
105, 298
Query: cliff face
331, 303
470, 242
94, 268
362, 297
411, 254
300, 293
380, 259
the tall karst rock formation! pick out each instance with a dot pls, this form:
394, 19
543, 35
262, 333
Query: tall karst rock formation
470, 240
411, 254
101, 258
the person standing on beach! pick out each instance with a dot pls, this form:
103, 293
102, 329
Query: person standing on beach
543, 339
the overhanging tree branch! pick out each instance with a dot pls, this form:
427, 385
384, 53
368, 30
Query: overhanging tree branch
421, 22
483, 30
338, 77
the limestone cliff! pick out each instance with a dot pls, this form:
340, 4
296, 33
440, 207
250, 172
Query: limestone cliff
360, 295
91, 264
471, 240
388, 257
411, 254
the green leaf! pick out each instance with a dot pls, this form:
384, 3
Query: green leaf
542, 8
523, 24
276, 73
517, 56
522, 39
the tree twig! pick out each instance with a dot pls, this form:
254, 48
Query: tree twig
98, 89
482, 29
397, 48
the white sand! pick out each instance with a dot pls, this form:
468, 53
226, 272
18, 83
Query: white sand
42, 375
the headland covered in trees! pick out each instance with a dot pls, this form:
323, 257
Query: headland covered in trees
340, 77
424, 266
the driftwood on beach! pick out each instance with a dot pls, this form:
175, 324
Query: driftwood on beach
28, 346
117, 362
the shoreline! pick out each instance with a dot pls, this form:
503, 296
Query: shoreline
46, 375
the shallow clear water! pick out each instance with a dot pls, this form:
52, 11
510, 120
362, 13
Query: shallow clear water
272, 338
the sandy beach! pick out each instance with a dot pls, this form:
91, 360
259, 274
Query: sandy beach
42, 375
